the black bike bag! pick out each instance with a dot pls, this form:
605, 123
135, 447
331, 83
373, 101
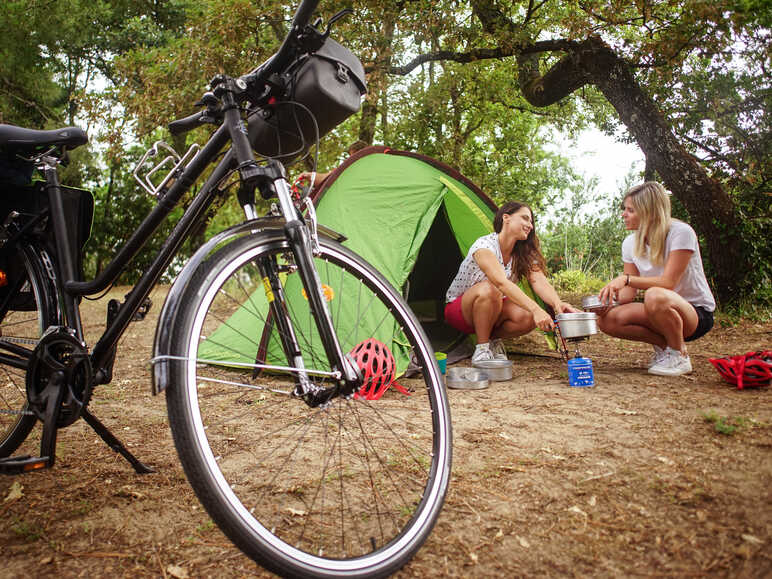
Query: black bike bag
326, 86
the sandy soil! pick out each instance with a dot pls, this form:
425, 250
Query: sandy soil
629, 478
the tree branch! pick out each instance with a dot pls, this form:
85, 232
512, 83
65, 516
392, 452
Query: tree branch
478, 54
47, 113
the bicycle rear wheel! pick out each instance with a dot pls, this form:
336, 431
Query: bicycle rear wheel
27, 309
349, 489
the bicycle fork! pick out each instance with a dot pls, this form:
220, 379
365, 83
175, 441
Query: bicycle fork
301, 241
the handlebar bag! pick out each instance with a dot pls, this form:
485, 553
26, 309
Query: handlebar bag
327, 85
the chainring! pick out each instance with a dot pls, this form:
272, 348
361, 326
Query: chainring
59, 351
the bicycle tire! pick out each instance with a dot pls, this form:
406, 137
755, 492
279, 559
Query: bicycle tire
33, 310
269, 469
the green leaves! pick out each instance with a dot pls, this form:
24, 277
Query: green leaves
127, 68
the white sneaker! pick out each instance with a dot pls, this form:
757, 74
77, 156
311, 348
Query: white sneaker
657, 357
673, 364
498, 349
482, 353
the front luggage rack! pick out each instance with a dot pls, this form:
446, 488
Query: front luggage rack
172, 158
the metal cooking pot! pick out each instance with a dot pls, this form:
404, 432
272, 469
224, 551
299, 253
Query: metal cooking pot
496, 370
577, 325
462, 378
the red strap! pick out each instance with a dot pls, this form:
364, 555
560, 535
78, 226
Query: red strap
400, 389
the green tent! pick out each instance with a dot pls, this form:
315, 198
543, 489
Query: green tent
412, 217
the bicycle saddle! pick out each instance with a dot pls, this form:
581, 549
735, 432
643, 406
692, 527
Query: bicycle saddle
21, 138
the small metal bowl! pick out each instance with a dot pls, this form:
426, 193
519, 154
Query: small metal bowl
592, 303
496, 370
463, 378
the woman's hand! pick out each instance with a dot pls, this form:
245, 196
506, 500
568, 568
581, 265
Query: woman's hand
611, 290
542, 320
318, 178
564, 307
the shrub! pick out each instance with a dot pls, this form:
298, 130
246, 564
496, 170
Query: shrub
576, 281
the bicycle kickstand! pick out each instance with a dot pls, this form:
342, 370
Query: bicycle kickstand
114, 443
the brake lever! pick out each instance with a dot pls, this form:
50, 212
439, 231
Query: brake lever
335, 18
208, 100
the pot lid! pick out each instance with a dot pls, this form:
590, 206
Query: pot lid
492, 364
575, 317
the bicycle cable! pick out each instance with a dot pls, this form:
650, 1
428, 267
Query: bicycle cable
103, 294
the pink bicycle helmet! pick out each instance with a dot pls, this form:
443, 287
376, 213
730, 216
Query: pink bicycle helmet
751, 369
376, 362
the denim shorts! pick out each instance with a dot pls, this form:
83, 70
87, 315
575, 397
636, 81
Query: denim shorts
704, 323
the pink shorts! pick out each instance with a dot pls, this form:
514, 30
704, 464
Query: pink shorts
455, 318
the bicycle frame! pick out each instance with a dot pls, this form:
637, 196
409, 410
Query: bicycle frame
296, 231
223, 108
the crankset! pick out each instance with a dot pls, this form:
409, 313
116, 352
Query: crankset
60, 358
59, 387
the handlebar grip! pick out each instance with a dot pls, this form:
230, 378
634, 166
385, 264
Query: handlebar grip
186, 124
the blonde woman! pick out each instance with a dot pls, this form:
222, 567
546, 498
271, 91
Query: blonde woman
662, 258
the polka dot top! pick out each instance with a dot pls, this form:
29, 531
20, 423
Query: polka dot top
469, 273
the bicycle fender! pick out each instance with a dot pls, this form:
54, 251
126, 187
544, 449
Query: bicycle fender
169, 313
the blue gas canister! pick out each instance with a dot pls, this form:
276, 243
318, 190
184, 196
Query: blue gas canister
580, 372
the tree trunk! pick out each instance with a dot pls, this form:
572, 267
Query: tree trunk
712, 212
367, 121
375, 101
710, 208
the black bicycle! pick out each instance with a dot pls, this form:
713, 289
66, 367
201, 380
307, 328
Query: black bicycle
284, 356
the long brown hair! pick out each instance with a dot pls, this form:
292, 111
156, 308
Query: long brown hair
527, 253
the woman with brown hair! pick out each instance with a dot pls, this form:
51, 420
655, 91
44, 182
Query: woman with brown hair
662, 258
484, 298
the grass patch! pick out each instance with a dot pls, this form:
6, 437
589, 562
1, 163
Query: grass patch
206, 527
728, 425
28, 531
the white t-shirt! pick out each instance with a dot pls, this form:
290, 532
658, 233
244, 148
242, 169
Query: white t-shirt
693, 286
469, 273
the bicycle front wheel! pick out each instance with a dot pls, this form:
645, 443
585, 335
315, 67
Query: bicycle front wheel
348, 489
27, 309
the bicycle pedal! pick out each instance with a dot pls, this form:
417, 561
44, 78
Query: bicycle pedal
22, 464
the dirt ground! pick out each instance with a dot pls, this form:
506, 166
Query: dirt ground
638, 476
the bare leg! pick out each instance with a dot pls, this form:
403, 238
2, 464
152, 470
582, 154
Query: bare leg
481, 306
485, 309
671, 315
630, 322
514, 321
663, 319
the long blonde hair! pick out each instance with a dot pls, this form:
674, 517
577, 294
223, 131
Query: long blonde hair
652, 205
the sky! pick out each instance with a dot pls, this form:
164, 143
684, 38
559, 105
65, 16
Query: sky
595, 154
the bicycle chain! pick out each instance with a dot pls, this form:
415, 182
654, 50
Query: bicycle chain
12, 340
14, 412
